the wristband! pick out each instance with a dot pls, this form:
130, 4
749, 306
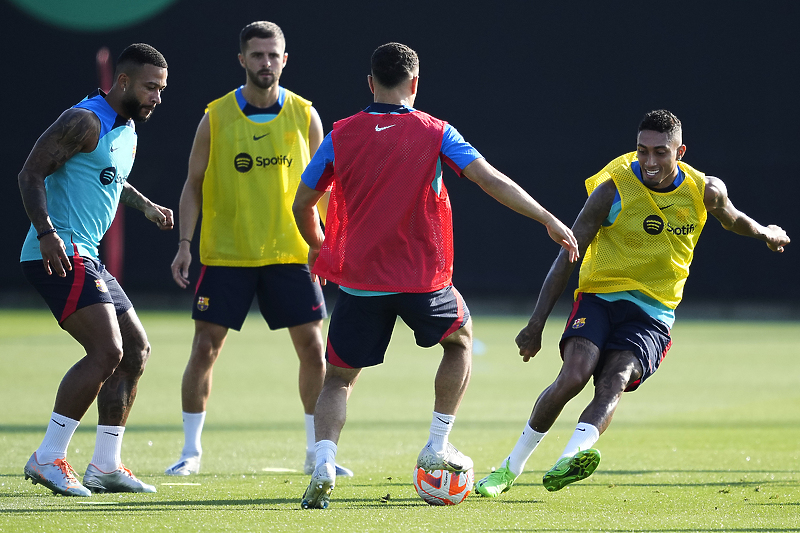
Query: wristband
187, 240
46, 232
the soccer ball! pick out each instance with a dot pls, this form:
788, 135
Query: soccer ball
441, 487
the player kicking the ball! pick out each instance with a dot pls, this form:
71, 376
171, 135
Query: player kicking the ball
638, 230
388, 243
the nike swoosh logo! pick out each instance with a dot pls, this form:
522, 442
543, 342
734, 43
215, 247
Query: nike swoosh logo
443, 421
315, 307
257, 137
114, 148
581, 429
377, 128
665, 207
59, 423
112, 434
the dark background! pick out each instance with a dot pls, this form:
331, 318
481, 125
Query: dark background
548, 92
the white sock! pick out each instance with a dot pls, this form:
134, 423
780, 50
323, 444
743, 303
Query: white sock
310, 434
584, 437
326, 452
56, 438
108, 448
192, 429
522, 451
441, 425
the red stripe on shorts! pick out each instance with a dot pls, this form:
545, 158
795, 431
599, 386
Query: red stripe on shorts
200, 279
335, 360
459, 320
77, 286
664, 353
574, 310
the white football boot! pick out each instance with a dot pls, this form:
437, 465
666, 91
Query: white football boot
318, 493
311, 463
450, 459
57, 476
185, 466
120, 480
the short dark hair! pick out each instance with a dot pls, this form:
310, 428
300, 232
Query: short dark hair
661, 121
261, 29
393, 63
139, 54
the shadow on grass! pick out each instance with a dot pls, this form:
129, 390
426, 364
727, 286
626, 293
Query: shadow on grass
411, 424
83, 505
693, 471
670, 530
599, 481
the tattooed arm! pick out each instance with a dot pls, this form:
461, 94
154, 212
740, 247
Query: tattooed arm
76, 130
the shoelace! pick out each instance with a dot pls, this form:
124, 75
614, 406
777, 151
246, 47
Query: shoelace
66, 469
128, 472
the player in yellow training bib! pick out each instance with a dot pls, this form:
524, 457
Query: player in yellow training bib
249, 151
637, 233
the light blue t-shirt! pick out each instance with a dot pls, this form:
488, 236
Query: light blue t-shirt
83, 195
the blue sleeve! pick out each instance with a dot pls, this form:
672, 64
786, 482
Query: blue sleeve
320, 168
457, 152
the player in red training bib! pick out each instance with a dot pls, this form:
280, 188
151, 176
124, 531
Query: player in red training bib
388, 244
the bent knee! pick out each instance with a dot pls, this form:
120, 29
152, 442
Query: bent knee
107, 359
135, 359
461, 337
311, 352
572, 382
205, 349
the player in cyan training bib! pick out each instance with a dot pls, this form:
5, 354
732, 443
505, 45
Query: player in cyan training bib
71, 185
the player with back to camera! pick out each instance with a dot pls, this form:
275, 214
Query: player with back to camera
637, 231
388, 244
71, 184
249, 150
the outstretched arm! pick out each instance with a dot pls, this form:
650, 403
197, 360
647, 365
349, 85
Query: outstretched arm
507, 192
585, 229
718, 204
76, 130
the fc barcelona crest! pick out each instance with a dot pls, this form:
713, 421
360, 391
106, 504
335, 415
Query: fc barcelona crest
101, 285
202, 303
579, 323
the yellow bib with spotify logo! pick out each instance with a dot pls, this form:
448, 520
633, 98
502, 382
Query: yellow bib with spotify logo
250, 183
650, 245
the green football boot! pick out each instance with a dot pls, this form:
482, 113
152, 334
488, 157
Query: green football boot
496, 483
571, 469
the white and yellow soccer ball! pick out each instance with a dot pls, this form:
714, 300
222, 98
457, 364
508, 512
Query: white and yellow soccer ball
441, 487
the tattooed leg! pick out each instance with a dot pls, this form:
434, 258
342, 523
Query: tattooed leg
119, 391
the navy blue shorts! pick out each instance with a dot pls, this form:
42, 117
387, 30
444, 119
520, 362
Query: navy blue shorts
286, 295
361, 326
88, 283
620, 325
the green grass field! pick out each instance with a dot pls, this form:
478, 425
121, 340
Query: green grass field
712, 443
